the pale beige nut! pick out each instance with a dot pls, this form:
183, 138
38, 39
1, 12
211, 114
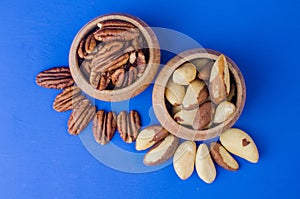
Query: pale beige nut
162, 151
240, 143
224, 111
219, 82
204, 165
184, 159
150, 136
204, 116
174, 93
185, 74
195, 95
185, 117
222, 157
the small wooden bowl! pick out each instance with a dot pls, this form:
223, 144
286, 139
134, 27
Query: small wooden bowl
126, 92
159, 103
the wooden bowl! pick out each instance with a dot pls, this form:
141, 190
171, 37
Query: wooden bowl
159, 103
136, 87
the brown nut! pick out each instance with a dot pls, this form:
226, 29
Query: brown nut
132, 75
128, 125
90, 43
67, 99
81, 116
116, 34
114, 23
195, 95
222, 157
219, 82
204, 116
141, 63
118, 76
150, 136
161, 151
104, 126
58, 78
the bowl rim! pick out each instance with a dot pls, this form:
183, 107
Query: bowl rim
136, 87
158, 96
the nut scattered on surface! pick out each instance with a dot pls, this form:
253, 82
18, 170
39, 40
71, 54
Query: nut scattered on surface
81, 116
204, 165
104, 126
185, 74
184, 159
222, 157
57, 78
68, 99
240, 143
161, 151
224, 111
129, 125
150, 136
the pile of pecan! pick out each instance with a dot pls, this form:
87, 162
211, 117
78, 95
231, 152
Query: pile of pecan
83, 111
113, 55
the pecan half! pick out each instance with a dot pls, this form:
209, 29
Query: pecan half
128, 125
141, 63
114, 23
104, 126
67, 99
104, 81
116, 34
58, 78
132, 75
81, 116
90, 43
117, 77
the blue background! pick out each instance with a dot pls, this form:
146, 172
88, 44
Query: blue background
38, 159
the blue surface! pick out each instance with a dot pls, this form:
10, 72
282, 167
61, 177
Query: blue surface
38, 159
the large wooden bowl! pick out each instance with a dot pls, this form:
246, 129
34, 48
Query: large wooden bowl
159, 103
135, 88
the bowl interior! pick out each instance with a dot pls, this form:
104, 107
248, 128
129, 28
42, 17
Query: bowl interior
136, 87
162, 111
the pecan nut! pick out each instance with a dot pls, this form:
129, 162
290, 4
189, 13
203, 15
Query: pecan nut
132, 75
129, 125
118, 77
104, 126
116, 34
99, 80
114, 23
67, 99
81, 116
141, 63
57, 78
